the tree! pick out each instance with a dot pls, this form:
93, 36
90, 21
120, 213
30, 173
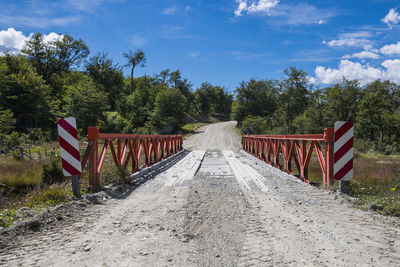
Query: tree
257, 98
295, 94
375, 112
7, 121
24, 93
312, 119
254, 125
134, 59
341, 101
107, 76
86, 103
169, 109
55, 57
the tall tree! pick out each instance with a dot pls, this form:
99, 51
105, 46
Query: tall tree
169, 109
107, 76
257, 98
341, 101
134, 59
55, 57
23, 93
295, 93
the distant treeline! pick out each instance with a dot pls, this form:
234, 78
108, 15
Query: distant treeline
291, 105
51, 80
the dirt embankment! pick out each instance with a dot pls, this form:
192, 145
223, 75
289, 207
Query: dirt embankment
215, 207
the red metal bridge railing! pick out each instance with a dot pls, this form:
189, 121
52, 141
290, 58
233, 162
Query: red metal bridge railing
128, 149
298, 148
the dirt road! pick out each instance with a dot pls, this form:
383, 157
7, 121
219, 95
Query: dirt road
215, 207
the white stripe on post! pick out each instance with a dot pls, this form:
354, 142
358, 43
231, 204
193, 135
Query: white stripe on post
343, 151
69, 146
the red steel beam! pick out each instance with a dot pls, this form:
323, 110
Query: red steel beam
155, 147
296, 147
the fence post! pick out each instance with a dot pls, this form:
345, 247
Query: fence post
94, 176
21, 151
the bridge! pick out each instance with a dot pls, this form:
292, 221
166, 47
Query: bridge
211, 200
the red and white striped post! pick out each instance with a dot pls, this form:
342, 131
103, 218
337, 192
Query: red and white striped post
70, 155
343, 153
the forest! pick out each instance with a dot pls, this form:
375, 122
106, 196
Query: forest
51, 80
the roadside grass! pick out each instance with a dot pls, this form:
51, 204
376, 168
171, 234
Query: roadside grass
37, 200
18, 174
238, 132
189, 128
375, 185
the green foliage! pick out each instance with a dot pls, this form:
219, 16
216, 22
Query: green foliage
256, 98
55, 57
169, 109
23, 93
52, 196
52, 172
107, 76
376, 117
86, 103
212, 99
341, 101
312, 120
293, 99
190, 128
254, 125
7, 121
378, 193
115, 123
8, 217
135, 59
38, 202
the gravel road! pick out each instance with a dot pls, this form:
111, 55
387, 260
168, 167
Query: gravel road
215, 207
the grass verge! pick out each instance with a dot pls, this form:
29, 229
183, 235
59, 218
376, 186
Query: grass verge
189, 128
35, 202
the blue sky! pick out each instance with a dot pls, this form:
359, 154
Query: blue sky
228, 41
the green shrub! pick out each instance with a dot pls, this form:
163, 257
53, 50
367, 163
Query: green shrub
115, 175
51, 197
13, 140
254, 125
52, 171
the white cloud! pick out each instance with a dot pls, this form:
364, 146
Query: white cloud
363, 55
312, 80
86, 5
138, 40
357, 71
354, 39
392, 18
51, 37
298, 14
14, 41
392, 49
176, 11
263, 6
194, 55
393, 70
38, 22
170, 11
